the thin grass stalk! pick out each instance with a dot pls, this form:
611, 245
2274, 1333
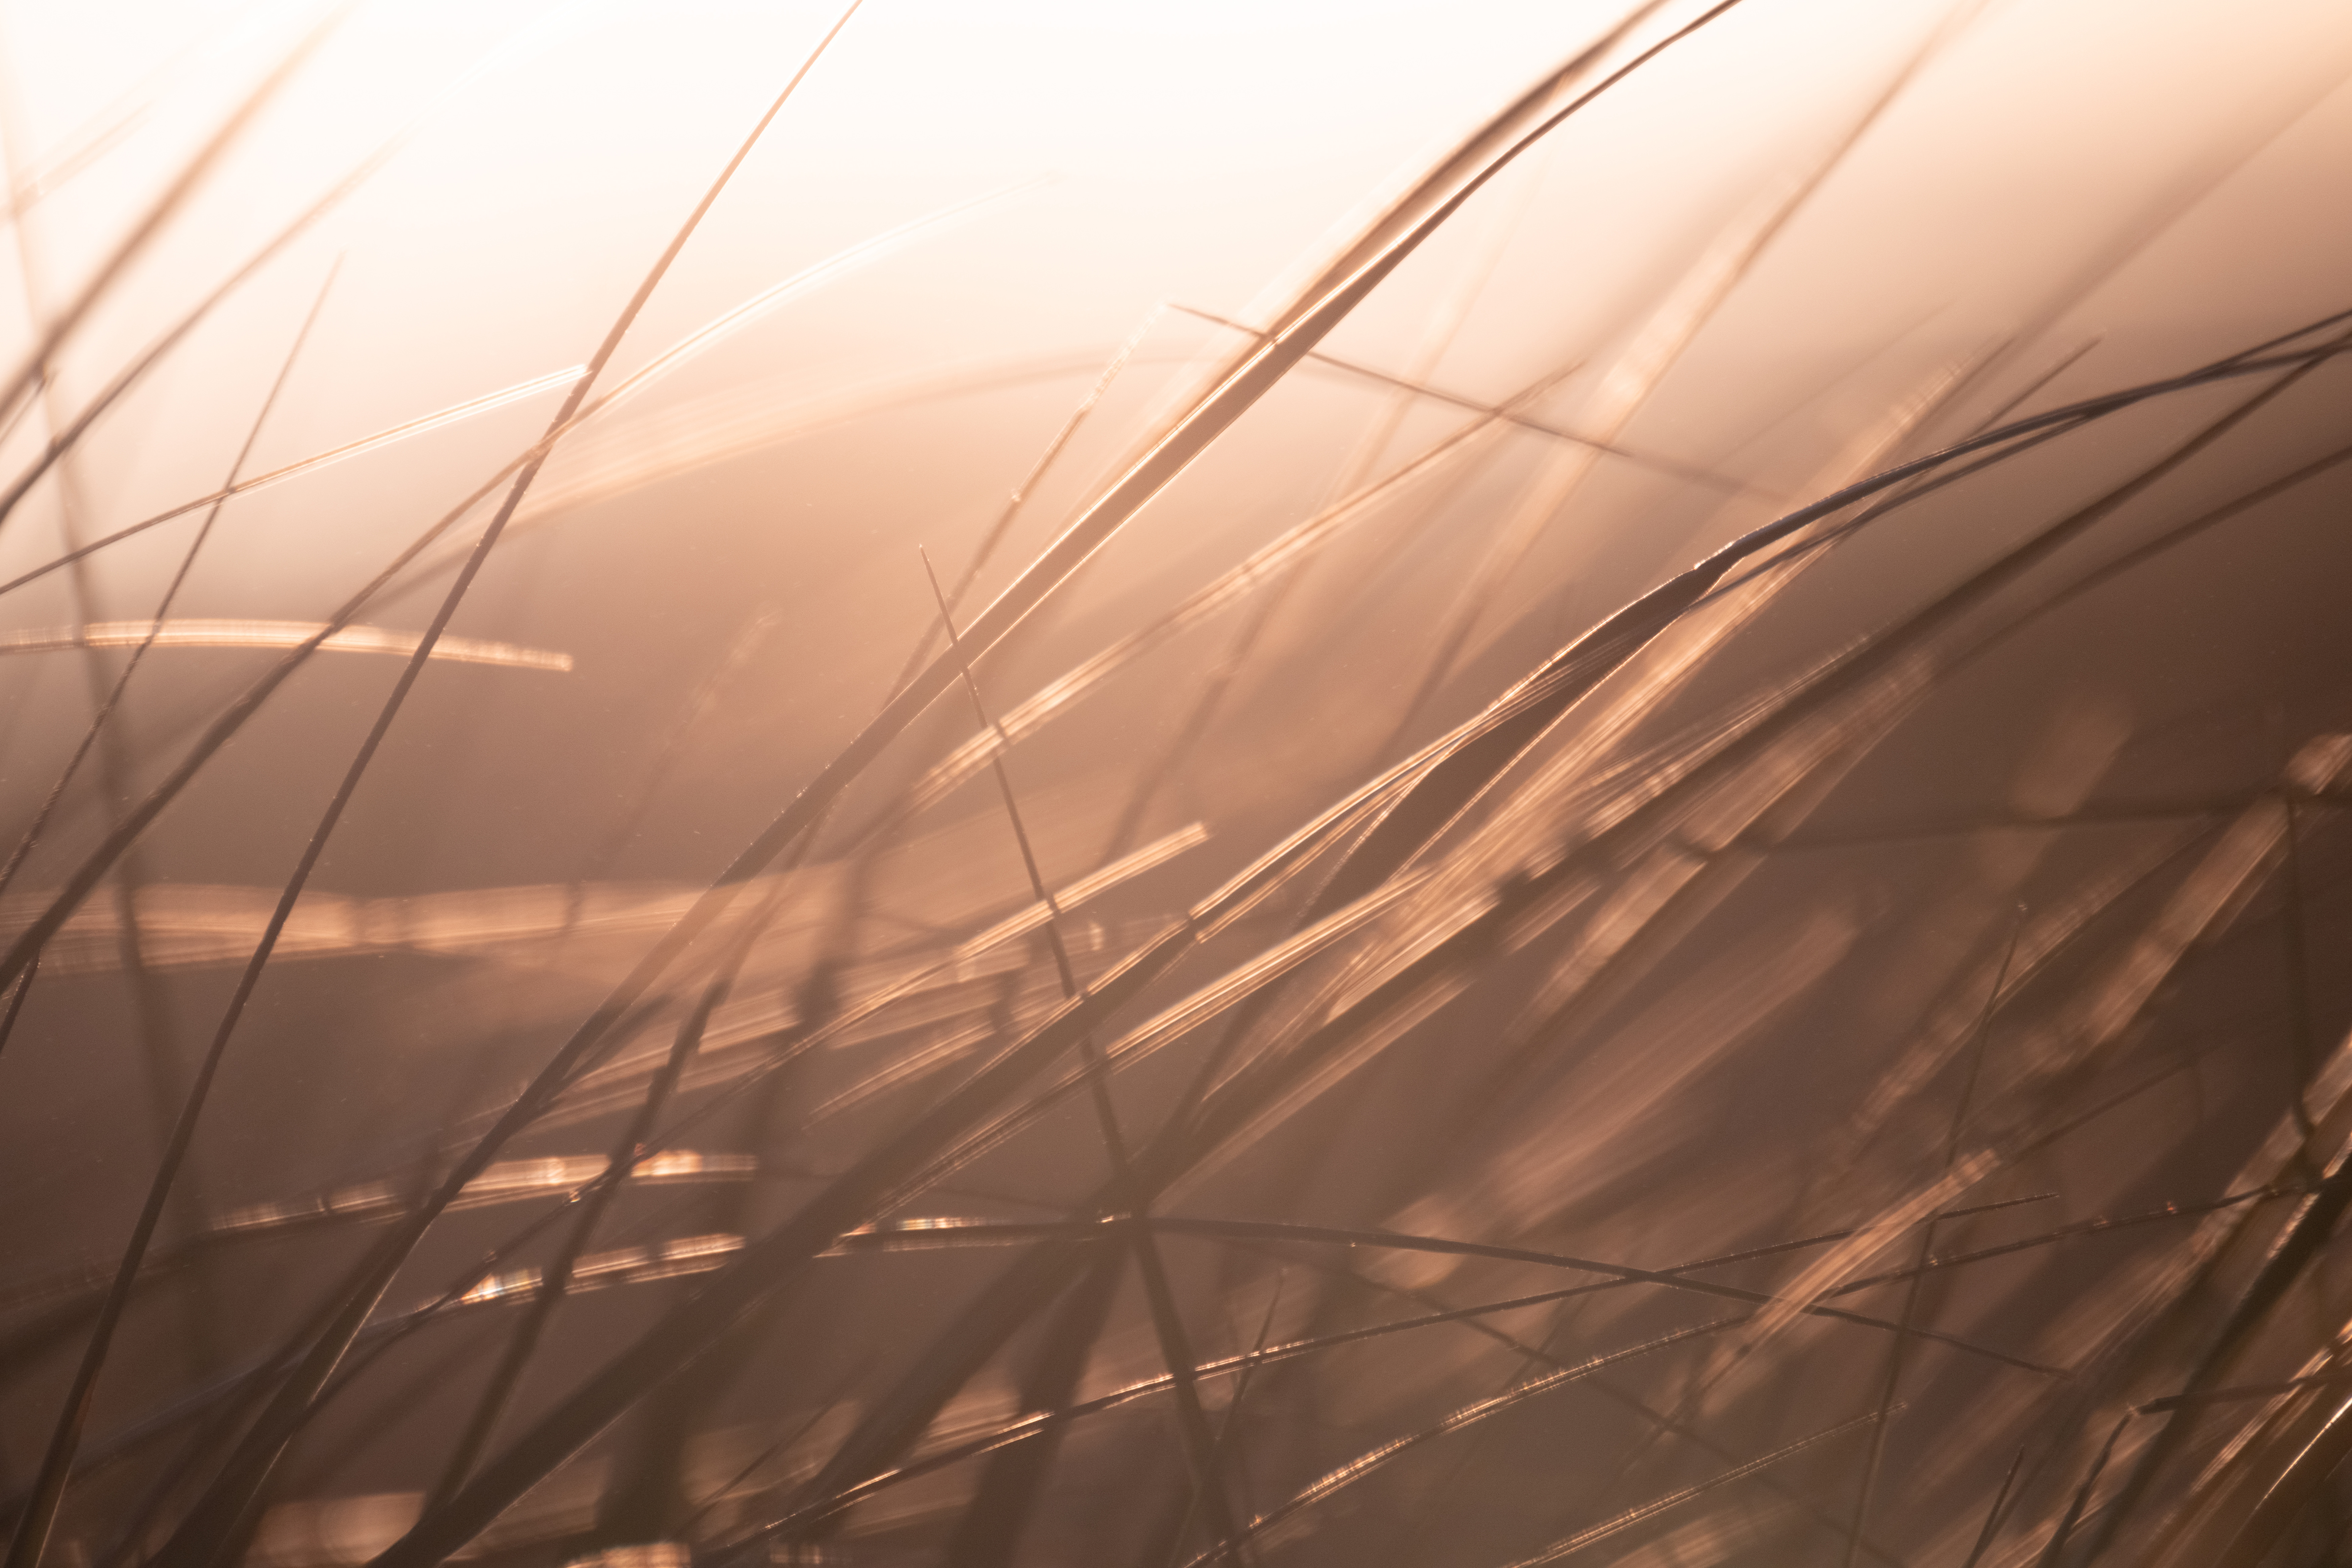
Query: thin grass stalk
1994, 994
1521, 419
1993, 1514
1933, 1264
2302, 1037
2053, 1551
735, 1482
984, 553
1228, 1432
1027, 1429
1437, 337
1270, 1230
369, 1426
876, 1447
1877, 1454
668, 750
936, 1233
1991, 447
1200, 1443
556, 1282
82, 148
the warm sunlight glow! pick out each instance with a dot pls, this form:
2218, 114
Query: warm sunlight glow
1203, 786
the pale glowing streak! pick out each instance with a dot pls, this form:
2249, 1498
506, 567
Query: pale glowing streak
277, 634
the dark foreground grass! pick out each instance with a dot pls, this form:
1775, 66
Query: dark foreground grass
948, 1179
